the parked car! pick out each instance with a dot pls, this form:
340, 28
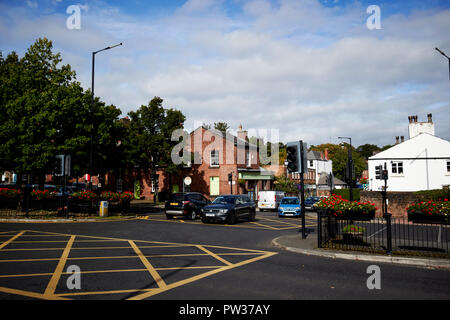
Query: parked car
186, 204
80, 186
229, 209
68, 190
289, 207
269, 200
310, 201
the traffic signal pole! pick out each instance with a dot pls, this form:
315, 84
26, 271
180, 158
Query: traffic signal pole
302, 191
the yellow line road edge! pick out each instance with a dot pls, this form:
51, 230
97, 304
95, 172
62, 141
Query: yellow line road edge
159, 281
4, 244
200, 276
51, 287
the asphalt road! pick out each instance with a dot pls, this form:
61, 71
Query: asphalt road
157, 259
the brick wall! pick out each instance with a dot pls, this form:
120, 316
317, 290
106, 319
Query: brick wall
397, 201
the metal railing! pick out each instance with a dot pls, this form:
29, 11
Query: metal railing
385, 235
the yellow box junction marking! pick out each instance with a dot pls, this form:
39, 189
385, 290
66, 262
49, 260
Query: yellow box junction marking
51, 292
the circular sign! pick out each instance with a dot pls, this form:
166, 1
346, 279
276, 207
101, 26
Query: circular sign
187, 181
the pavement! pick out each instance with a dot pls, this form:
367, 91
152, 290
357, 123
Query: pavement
309, 246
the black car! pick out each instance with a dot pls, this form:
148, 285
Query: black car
310, 201
186, 204
229, 209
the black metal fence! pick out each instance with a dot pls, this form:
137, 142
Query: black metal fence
383, 235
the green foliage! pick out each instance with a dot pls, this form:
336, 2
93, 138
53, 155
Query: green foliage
221, 126
285, 184
45, 112
435, 195
339, 155
345, 193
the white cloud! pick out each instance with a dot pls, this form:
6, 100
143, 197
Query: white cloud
313, 72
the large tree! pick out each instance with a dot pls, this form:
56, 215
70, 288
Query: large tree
45, 112
148, 143
339, 155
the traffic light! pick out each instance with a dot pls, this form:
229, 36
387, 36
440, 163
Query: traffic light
378, 172
384, 174
292, 158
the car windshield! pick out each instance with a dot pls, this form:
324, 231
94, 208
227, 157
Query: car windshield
224, 200
289, 201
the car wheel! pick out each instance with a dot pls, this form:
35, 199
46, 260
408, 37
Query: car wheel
232, 218
193, 215
169, 216
204, 220
252, 215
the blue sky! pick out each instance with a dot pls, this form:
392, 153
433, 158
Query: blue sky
309, 68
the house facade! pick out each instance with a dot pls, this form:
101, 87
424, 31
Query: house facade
215, 157
420, 163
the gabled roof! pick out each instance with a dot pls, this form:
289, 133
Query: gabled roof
228, 137
424, 145
323, 180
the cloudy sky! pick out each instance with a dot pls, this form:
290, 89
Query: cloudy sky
312, 69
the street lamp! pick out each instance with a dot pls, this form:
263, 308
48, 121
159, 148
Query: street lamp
349, 167
92, 112
448, 60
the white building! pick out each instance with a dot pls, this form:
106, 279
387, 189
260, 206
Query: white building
420, 163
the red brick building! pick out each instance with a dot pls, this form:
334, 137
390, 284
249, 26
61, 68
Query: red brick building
215, 155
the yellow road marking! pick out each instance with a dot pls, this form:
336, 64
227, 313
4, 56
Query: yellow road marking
200, 276
51, 287
105, 271
4, 244
159, 281
214, 255
30, 294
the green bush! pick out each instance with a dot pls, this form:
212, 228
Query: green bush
345, 193
434, 195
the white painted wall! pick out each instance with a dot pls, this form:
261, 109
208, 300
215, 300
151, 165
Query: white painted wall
420, 170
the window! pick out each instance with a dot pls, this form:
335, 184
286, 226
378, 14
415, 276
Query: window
397, 167
311, 163
448, 166
214, 161
248, 159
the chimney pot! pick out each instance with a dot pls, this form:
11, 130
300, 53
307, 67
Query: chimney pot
430, 117
402, 138
396, 139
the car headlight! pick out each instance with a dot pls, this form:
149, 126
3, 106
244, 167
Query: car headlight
223, 210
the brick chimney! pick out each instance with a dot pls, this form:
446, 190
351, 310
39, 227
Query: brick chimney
242, 134
326, 153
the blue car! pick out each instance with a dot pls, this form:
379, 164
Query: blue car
289, 207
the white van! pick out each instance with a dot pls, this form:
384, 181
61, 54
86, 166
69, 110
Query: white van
269, 200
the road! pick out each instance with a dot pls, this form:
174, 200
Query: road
154, 258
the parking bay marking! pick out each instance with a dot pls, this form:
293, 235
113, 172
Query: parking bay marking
207, 250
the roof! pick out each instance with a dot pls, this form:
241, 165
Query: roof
323, 180
228, 136
424, 145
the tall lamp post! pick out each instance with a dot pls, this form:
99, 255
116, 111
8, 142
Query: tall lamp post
447, 58
91, 157
349, 167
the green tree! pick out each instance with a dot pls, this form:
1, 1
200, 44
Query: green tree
45, 112
221, 126
367, 150
148, 142
339, 155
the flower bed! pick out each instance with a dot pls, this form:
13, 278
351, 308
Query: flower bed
430, 212
344, 209
42, 195
110, 196
6, 193
83, 196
